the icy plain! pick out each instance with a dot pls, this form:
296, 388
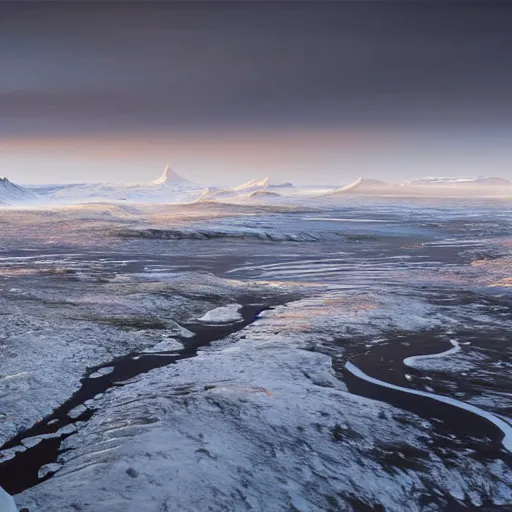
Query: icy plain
186, 357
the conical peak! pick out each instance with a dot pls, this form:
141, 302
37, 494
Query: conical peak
169, 175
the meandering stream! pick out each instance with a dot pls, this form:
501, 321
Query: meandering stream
429, 403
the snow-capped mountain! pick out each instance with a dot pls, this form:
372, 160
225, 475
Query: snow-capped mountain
12, 193
245, 189
169, 187
170, 176
253, 185
251, 189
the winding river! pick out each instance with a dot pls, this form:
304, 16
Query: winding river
351, 370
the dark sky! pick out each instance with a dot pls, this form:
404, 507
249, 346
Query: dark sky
223, 78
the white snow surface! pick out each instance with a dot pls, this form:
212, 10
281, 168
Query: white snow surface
101, 372
47, 469
77, 411
247, 425
7, 502
223, 314
170, 187
167, 345
256, 184
10, 193
36, 333
30, 442
459, 180
169, 175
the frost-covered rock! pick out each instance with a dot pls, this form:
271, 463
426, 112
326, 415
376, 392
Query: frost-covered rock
77, 411
68, 429
10, 453
223, 314
30, 442
168, 345
102, 372
48, 469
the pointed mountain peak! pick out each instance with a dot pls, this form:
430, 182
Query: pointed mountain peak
253, 184
9, 191
170, 176
7, 183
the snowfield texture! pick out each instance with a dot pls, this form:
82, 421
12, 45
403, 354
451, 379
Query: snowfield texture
12, 193
281, 432
118, 320
293, 411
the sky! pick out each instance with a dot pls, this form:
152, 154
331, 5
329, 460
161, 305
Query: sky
306, 91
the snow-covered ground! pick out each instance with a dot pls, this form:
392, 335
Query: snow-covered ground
12, 193
112, 305
259, 422
6, 502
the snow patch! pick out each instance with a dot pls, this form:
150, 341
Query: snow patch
77, 411
223, 314
6, 502
411, 361
12, 193
48, 469
101, 372
165, 346
30, 442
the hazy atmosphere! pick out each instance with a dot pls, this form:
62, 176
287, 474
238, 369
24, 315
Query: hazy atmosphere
312, 92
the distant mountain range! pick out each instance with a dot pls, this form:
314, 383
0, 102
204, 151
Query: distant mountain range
172, 187
169, 187
435, 187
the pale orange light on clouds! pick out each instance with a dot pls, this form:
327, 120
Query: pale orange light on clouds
239, 144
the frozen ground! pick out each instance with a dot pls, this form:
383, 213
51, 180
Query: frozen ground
136, 373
